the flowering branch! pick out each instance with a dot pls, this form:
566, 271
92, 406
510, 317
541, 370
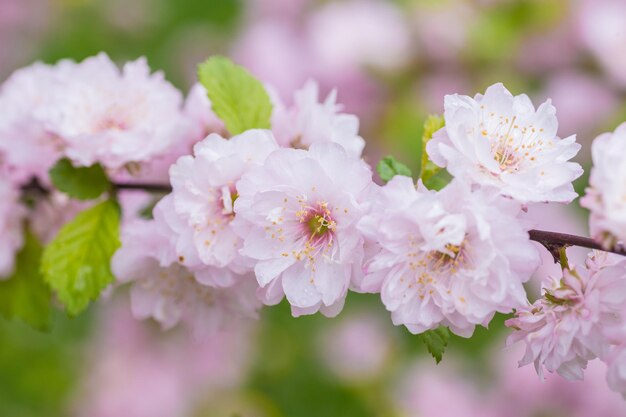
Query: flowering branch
551, 240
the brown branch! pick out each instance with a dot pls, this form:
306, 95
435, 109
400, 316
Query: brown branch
552, 240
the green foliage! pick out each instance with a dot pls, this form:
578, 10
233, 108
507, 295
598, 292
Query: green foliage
38, 371
389, 167
436, 341
24, 295
76, 263
82, 183
238, 99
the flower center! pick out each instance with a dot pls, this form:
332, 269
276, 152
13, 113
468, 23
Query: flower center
319, 225
512, 144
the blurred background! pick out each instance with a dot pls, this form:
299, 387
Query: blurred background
392, 62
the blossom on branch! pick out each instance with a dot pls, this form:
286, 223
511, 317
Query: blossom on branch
166, 290
89, 111
204, 194
452, 258
297, 216
310, 121
567, 326
500, 140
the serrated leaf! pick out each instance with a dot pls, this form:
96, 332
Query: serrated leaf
76, 263
389, 167
82, 183
238, 99
436, 341
428, 168
25, 295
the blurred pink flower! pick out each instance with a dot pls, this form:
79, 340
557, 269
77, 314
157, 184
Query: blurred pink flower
607, 187
602, 28
12, 214
443, 28
132, 371
439, 391
357, 347
115, 117
583, 102
518, 392
359, 33
291, 63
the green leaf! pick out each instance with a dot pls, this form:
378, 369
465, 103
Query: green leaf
436, 341
388, 168
433, 123
25, 295
238, 99
76, 263
82, 183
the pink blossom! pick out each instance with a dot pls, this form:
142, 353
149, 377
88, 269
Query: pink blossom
116, 117
167, 291
12, 214
309, 121
452, 258
501, 140
204, 193
605, 196
297, 215
566, 327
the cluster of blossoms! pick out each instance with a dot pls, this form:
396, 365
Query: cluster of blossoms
293, 211
579, 317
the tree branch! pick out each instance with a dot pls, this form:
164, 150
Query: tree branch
554, 239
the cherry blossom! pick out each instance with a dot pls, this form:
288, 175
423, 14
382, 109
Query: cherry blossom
309, 121
452, 258
500, 140
204, 193
297, 216
605, 196
116, 117
167, 291
565, 328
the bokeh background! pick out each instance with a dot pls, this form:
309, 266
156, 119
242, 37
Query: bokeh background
392, 62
